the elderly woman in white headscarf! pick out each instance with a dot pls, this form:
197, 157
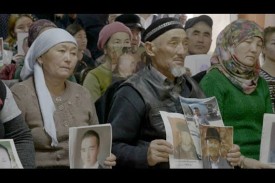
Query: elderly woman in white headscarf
49, 102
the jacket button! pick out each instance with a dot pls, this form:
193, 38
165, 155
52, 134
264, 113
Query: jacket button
61, 107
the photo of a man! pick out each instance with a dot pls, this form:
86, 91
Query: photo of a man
89, 146
90, 143
185, 148
213, 159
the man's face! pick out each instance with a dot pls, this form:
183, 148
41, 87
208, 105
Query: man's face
169, 51
186, 140
4, 159
89, 151
213, 146
136, 39
200, 38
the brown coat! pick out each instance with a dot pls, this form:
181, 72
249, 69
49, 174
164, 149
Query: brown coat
73, 108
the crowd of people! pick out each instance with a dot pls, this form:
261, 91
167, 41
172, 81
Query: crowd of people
71, 61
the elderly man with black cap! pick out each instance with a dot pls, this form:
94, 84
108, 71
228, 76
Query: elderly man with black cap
214, 159
138, 129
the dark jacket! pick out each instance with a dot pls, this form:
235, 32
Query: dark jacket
135, 116
222, 164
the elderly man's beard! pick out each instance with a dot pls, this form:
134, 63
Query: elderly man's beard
177, 70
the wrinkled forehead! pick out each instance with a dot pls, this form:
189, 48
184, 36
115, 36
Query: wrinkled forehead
172, 34
65, 45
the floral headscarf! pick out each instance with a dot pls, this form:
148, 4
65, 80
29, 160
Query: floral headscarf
243, 77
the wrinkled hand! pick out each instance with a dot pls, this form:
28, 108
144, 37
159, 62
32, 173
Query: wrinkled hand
110, 161
159, 151
254, 164
234, 155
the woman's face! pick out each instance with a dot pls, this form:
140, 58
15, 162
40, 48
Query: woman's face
59, 61
269, 47
115, 45
81, 39
249, 50
22, 24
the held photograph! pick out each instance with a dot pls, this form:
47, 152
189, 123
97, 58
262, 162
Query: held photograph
267, 151
204, 111
8, 155
187, 150
89, 146
215, 144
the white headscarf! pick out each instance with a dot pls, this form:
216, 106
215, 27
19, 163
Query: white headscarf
41, 45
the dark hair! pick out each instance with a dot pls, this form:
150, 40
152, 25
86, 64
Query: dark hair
193, 21
74, 28
91, 133
3, 147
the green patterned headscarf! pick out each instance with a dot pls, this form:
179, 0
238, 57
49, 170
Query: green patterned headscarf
243, 77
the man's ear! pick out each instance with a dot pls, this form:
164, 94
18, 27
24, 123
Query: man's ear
150, 48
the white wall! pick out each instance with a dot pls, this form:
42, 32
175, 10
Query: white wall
269, 20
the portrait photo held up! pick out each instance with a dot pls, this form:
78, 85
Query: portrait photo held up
89, 146
215, 143
8, 155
